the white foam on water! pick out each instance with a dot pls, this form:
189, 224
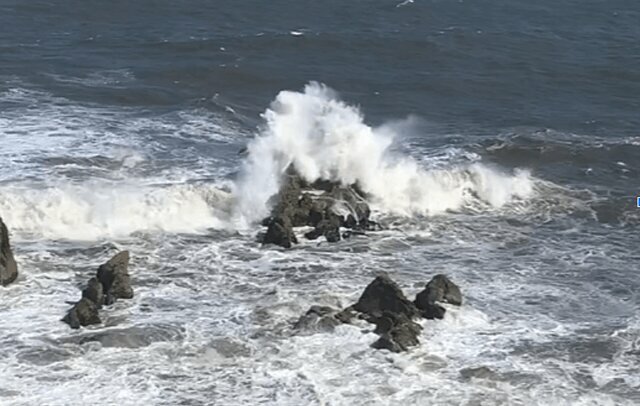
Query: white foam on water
224, 305
325, 138
101, 210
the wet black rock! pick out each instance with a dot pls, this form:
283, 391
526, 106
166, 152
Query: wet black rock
384, 295
280, 232
112, 282
8, 266
83, 313
397, 332
94, 292
327, 208
439, 289
384, 304
114, 276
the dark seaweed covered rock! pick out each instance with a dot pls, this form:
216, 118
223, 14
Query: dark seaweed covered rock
83, 313
8, 266
114, 276
439, 289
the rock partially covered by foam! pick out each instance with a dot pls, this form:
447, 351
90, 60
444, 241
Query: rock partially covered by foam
111, 282
324, 205
8, 266
397, 332
384, 304
440, 289
83, 313
318, 318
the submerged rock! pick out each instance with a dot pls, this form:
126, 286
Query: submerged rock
439, 289
318, 318
8, 266
114, 276
83, 313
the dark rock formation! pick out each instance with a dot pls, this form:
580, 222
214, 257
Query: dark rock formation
329, 208
114, 276
280, 232
439, 289
397, 332
83, 313
382, 303
111, 283
94, 292
384, 295
8, 266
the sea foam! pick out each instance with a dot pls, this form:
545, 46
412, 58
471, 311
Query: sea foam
325, 138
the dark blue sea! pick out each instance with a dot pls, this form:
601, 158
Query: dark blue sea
498, 143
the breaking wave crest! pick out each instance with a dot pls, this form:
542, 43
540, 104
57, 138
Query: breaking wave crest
325, 138
96, 211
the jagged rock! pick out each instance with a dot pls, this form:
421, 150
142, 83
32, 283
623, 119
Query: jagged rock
83, 313
280, 232
94, 292
382, 295
114, 276
439, 289
8, 266
339, 206
318, 318
397, 332
349, 200
383, 304
329, 227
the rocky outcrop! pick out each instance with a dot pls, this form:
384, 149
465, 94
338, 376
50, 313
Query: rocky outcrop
114, 276
324, 205
111, 282
8, 266
83, 313
440, 289
384, 304
384, 295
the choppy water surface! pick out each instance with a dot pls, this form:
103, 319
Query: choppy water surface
498, 140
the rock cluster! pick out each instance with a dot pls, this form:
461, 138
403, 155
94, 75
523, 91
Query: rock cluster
111, 283
8, 266
326, 206
384, 304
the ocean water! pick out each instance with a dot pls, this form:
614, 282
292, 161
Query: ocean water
499, 142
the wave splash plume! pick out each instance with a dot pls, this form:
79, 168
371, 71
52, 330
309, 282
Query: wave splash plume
325, 138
